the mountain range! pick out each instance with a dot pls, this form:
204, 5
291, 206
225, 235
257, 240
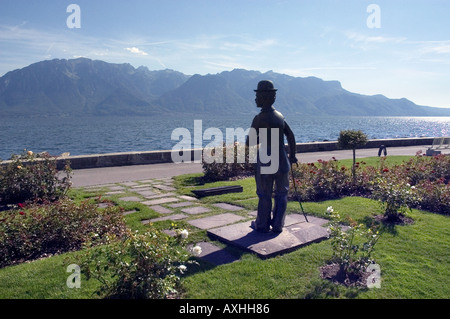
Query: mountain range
82, 86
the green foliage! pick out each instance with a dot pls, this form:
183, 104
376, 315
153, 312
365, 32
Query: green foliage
434, 195
328, 180
351, 139
139, 266
352, 247
396, 197
41, 230
422, 182
32, 177
217, 167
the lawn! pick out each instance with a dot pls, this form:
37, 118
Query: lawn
414, 259
414, 263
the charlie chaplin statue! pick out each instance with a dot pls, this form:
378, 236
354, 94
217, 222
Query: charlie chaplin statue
275, 125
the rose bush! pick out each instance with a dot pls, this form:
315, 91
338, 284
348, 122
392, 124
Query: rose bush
31, 232
397, 198
32, 177
428, 179
139, 266
352, 247
216, 167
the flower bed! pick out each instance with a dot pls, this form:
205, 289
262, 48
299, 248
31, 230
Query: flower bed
53, 228
32, 177
422, 182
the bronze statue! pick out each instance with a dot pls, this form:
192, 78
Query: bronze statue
274, 124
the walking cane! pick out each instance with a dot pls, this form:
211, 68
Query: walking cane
296, 193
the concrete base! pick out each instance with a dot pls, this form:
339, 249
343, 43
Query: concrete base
267, 245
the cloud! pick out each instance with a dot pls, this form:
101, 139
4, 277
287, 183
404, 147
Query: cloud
359, 37
251, 45
136, 51
436, 47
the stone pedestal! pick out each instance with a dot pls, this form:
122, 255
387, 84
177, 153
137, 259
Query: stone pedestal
267, 245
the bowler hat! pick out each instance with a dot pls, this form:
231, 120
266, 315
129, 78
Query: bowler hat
265, 86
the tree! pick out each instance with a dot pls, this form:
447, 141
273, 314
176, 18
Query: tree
350, 140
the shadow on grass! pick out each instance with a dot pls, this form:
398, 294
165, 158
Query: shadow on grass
325, 289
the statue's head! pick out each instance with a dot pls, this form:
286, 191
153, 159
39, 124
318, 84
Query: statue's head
265, 94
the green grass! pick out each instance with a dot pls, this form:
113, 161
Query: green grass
414, 259
44, 279
375, 161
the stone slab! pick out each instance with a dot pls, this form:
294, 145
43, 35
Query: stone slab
182, 204
228, 206
253, 213
196, 210
165, 187
214, 254
188, 197
267, 245
144, 192
116, 188
114, 193
299, 218
129, 184
138, 187
131, 199
160, 201
155, 195
215, 221
161, 209
171, 217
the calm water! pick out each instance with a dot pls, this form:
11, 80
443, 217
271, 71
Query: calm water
91, 135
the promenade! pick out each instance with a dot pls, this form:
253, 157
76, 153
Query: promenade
120, 174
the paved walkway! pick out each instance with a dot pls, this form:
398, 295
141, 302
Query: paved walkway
228, 223
106, 175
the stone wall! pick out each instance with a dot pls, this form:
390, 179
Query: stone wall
155, 157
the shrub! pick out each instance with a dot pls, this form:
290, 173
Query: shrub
426, 168
422, 182
351, 139
31, 177
61, 226
396, 197
327, 180
221, 169
352, 247
434, 195
139, 266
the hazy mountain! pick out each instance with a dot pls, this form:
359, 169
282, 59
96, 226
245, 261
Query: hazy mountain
83, 86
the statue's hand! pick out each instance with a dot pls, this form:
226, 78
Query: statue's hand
293, 160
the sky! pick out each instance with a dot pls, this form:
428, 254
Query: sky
398, 48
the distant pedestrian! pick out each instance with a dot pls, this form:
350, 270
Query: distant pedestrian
382, 149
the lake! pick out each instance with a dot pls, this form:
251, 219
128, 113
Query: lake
92, 135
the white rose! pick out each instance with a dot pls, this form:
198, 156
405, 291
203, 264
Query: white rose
197, 250
184, 234
182, 268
